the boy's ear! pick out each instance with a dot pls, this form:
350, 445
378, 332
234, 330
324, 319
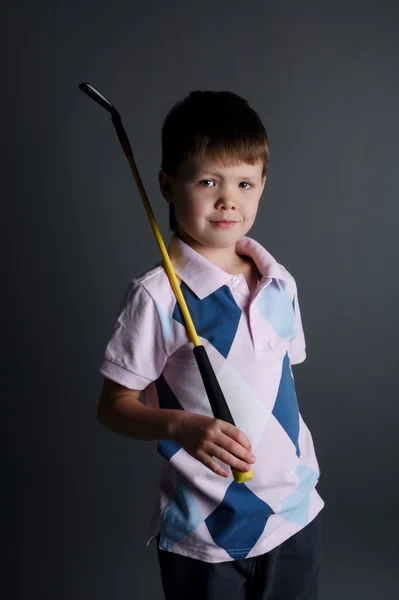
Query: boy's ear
165, 185
264, 178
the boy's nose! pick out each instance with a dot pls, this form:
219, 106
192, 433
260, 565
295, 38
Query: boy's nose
226, 202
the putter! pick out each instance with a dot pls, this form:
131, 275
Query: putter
215, 395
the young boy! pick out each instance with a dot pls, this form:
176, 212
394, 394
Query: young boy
217, 538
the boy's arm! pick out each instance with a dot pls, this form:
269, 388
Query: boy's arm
203, 437
120, 410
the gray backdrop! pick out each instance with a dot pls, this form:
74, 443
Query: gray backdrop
324, 78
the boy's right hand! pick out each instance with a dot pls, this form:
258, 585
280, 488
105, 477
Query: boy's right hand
205, 437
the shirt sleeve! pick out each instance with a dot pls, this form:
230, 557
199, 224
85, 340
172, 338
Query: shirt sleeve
135, 354
297, 348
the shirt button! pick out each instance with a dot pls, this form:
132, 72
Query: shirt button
236, 280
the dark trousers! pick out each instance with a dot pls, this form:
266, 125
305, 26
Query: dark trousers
288, 572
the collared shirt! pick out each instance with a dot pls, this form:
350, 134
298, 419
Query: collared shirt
251, 341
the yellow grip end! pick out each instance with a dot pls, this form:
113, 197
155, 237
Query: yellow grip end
242, 476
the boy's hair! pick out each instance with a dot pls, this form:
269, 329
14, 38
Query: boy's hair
218, 124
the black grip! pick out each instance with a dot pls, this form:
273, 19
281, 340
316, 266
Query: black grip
215, 395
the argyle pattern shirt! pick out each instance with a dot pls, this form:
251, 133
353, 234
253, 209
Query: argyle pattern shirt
252, 342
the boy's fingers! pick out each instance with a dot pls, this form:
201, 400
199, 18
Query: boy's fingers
232, 448
211, 464
236, 434
231, 460
236, 446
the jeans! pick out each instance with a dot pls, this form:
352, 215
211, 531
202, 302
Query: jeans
288, 572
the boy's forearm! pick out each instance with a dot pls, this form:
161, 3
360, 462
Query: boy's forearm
135, 420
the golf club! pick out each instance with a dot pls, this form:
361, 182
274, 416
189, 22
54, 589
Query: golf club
215, 395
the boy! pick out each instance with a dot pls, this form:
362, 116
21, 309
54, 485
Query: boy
261, 539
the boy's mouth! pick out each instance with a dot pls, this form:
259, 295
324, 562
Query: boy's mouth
224, 223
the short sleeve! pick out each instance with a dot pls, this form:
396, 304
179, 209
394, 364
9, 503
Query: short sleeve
135, 354
297, 348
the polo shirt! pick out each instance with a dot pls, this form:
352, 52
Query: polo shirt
252, 341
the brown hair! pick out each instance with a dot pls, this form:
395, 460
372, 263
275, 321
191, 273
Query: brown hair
218, 124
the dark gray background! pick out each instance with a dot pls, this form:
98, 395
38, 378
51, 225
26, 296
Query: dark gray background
324, 78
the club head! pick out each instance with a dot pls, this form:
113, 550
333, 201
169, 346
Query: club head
91, 91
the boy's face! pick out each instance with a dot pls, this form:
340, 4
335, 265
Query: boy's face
205, 193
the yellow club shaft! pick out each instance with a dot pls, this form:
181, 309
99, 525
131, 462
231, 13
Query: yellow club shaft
168, 264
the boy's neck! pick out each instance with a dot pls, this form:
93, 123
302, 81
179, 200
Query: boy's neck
225, 258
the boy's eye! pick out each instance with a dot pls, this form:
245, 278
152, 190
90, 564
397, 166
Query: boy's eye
209, 182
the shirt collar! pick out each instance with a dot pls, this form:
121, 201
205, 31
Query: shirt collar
204, 278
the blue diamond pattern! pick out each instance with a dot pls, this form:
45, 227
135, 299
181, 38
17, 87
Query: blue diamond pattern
215, 317
239, 520
296, 507
286, 405
181, 516
167, 399
276, 307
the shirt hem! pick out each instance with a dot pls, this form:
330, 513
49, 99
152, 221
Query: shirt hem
279, 535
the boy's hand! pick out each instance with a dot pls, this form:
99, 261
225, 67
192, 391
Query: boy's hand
205, 437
